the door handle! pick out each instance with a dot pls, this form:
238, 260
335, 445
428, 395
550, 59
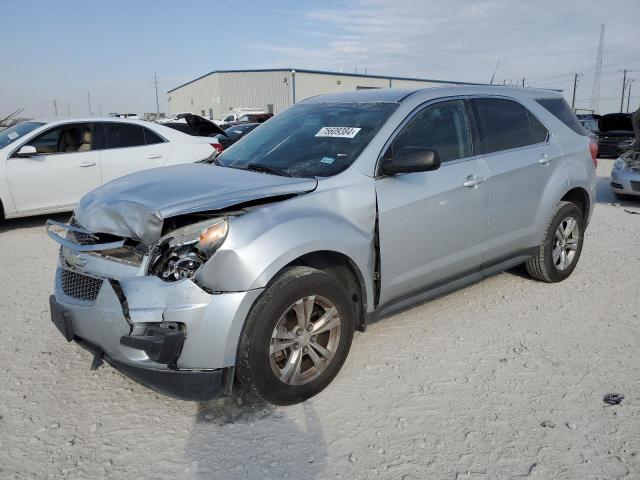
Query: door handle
545, 158
153, 156
473, 180
87, 164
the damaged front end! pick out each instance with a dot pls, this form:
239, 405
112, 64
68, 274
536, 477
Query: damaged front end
140, 308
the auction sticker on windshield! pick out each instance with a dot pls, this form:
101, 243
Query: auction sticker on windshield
338, 132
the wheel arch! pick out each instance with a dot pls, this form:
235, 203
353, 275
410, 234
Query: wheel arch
345, 270
580, 197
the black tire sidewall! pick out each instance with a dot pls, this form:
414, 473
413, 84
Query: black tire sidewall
568, 210
256, 337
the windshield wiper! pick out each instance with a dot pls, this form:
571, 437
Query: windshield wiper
258, 167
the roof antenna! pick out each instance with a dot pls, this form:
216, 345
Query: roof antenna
494, 73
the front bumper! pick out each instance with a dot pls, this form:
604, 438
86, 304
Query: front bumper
123, 316
626, 182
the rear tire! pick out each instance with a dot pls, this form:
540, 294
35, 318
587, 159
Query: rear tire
559, 252
286, 353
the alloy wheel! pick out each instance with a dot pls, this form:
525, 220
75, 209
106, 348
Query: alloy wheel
305, 340
566, 242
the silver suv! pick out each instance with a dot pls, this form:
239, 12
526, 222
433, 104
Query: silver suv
344, 208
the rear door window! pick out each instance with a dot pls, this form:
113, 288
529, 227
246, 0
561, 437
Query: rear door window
122, 135
562, 111
503, 124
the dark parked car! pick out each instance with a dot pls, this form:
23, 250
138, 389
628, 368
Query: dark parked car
249, 118
232, 134
614, 129
198, 126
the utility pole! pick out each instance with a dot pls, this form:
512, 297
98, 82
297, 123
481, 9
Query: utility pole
55, 107
575, 86
155, 84
624, 84
629, 94
523, 81
495, 70
89, 102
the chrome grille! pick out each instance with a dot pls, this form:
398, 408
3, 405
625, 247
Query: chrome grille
80, 286
79, 237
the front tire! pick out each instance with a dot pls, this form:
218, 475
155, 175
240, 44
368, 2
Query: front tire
296, 337
560, 250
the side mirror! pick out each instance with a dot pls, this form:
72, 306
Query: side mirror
27, 151
409, 160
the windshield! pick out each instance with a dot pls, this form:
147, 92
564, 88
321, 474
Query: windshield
310, 139
11, 134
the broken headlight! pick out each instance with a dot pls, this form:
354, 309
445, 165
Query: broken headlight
180, 254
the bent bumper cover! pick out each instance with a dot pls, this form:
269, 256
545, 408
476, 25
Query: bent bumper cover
182, 384
125, 321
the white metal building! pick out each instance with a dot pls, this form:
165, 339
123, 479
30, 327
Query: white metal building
217, 93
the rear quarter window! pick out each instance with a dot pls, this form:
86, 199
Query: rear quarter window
562, 111
151, 137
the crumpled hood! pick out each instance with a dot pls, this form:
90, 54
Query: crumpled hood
136, 205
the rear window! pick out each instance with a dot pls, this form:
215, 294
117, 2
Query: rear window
121, 135
503, 124
562, 111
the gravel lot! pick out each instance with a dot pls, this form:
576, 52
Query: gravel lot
457, 388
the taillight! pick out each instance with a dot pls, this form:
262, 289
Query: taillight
593, 148
218, 147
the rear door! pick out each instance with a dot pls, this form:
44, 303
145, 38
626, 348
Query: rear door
521, 157
66, 167
130, 147
433, 225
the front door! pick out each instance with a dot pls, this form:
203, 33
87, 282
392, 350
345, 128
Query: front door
433, 225
65, 168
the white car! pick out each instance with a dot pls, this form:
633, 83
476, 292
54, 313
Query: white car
175, 118
45, 167
236, 114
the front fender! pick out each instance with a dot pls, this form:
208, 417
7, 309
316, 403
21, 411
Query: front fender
261, 243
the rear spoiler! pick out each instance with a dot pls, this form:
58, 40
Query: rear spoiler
57, 232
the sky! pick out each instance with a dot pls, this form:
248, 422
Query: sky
62, 50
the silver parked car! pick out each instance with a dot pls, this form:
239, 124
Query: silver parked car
625, 175
336, 212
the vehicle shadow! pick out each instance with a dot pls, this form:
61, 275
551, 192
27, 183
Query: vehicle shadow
242, 436
31, 222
